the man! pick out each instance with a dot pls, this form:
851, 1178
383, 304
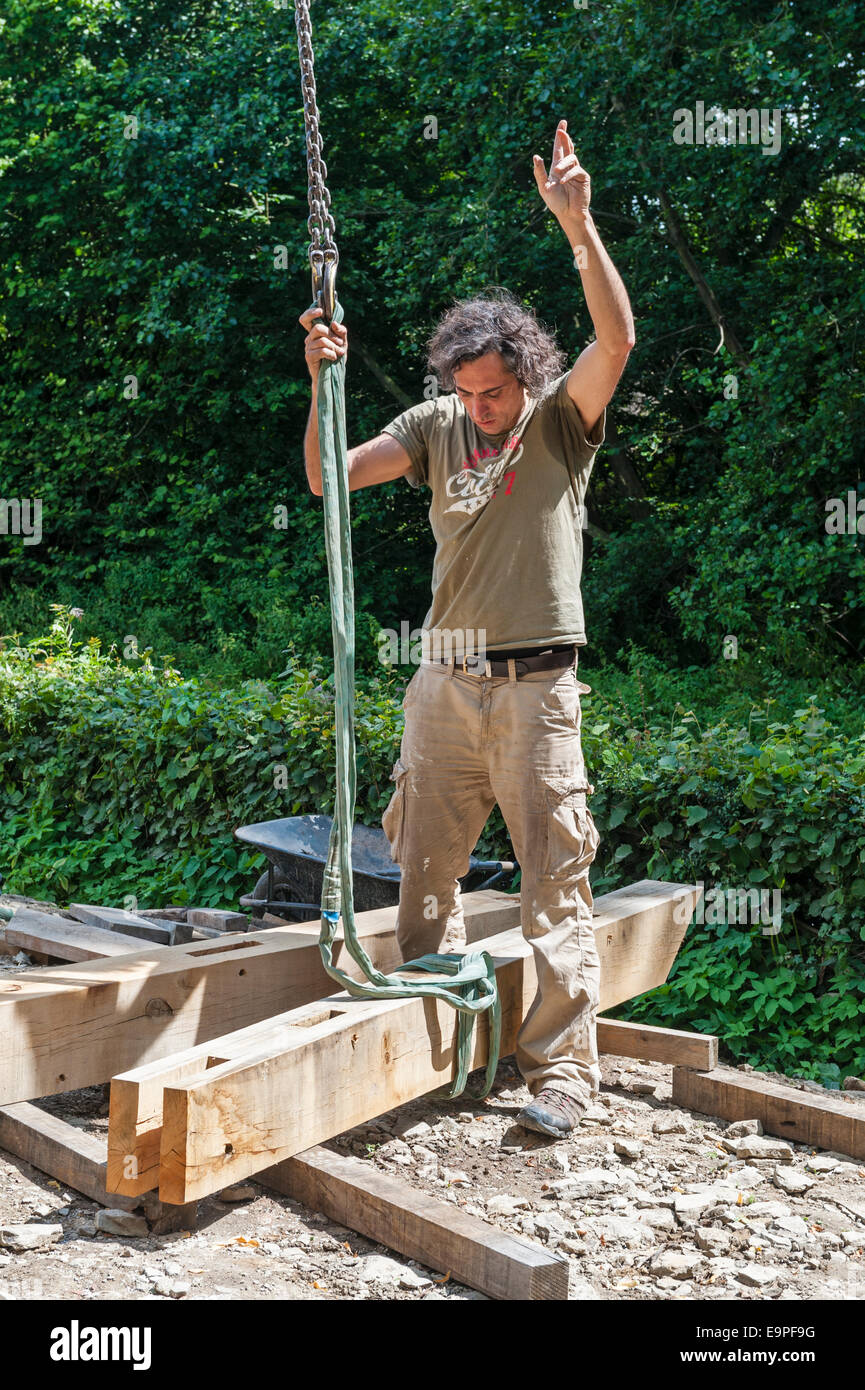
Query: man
507, 458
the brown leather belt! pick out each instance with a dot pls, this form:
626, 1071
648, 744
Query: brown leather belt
546, 661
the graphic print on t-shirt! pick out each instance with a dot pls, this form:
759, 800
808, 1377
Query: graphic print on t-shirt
513, 570
473, 487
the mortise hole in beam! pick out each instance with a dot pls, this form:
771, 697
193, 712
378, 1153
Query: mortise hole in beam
229, 946
323, 1016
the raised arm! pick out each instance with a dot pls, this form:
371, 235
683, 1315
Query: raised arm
596, 372
378, 460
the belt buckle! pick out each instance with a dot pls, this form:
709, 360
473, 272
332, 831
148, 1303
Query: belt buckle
466, 671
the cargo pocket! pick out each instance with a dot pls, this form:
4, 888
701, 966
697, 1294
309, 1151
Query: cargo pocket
572, 837
393, 820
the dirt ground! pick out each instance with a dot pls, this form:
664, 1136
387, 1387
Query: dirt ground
646, 1202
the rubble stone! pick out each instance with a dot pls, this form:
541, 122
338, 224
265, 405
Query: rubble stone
29, 1236
115, 1222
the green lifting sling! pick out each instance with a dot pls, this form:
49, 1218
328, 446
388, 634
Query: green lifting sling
466, 982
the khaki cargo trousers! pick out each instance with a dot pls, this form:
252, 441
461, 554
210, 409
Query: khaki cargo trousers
471, 741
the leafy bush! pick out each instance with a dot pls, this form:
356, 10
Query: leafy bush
154, 394
764, 807
124, 780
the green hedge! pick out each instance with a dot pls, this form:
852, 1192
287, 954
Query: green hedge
124, 782
121, 780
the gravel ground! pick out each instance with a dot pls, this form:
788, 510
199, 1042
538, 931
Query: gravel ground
646, 1202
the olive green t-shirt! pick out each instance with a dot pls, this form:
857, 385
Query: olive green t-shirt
506, 515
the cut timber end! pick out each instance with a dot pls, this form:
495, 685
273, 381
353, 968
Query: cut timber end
135, 1118
235, 1119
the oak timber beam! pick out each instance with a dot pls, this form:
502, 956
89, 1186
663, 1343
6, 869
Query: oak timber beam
69, 1026
233, 1119
801, 1116
136, 1096
618, 1038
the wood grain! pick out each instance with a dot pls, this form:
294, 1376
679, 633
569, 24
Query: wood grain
618, 1038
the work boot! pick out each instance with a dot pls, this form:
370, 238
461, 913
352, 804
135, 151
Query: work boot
552, 1112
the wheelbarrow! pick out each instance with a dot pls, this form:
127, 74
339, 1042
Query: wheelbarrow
296, 850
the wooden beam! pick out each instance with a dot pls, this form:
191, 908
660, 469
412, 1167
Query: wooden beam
69, 1026
618, 1038
631, 961
135, 1119
423, 1228
118, 919
59, 1149
78, 1160
136, 1096
49, 935
235, 1118
801, 1116
217, 920
231, 1120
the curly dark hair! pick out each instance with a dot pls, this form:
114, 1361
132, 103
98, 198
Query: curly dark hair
495, 322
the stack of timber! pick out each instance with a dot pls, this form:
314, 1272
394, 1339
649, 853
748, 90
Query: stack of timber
48, 935
147, 1006
235, 1058
77, 1025
225, 1109
90, 932
499, 1265
132, 924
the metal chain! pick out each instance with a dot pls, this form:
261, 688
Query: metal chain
323, 253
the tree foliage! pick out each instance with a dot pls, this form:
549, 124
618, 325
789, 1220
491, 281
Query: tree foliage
153, 253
